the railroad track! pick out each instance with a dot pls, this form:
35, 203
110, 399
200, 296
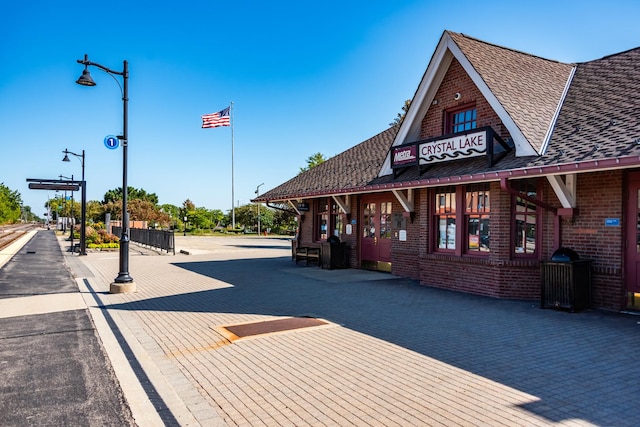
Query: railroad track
12, 232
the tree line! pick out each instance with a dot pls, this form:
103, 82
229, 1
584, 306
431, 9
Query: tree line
144, 206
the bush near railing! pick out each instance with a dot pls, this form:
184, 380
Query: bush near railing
160, 239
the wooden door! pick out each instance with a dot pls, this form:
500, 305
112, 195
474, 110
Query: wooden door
376, 229
632, 252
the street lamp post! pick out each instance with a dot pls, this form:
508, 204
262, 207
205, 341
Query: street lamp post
65, 218
64, 211
123, 283
83, 208
257, 194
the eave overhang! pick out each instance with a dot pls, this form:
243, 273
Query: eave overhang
535, 171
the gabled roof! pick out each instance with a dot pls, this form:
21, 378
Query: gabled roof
343, 173
524, 90
529, 88
596, 128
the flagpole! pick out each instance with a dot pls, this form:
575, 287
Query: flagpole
233, 205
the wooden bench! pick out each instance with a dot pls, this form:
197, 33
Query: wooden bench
307, 254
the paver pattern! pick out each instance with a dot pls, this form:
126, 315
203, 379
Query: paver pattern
396, 353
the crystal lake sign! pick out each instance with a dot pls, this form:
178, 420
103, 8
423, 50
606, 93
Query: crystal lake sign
456, 146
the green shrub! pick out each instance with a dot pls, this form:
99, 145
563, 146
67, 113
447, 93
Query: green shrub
103, 246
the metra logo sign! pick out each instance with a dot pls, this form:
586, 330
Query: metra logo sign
404, 155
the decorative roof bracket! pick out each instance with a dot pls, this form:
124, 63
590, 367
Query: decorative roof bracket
406, 202
565, 190
345, 205
294, 206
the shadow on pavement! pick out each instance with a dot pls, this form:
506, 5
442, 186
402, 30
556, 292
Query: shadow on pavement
582, 366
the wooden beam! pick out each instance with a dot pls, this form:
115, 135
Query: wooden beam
406, 202
565, 190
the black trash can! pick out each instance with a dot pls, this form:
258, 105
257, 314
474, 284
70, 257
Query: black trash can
334, 254
566, 281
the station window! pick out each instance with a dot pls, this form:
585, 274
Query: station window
474, 218
328, 219
525, 218
477, 215
445, 218
461, 120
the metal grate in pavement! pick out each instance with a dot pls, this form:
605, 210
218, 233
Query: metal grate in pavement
246, 330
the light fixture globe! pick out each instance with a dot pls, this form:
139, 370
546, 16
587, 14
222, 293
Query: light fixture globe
86, 79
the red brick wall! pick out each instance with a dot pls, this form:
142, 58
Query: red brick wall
405, 255
352, 240
455, 81
495, 275
501, 274
599, 196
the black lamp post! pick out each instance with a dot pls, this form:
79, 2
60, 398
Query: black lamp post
83, 210
123, 282
257, 195
72, 217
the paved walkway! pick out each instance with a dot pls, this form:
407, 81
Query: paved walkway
394, 354
53, 368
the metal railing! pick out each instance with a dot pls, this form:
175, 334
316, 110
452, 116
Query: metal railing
161, 239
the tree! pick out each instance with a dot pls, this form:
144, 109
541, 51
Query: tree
284, 221
313, 161
132, 194
10, 204
247, 216
95, 212
398, 120
144, 210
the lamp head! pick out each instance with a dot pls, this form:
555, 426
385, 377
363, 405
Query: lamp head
86, 79
66, 158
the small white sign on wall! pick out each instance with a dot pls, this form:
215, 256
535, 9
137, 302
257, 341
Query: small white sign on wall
402, 235
348, 228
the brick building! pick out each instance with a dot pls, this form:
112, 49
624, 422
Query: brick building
503, 158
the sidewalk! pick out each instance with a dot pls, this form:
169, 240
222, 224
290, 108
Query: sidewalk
391, 354
53, 368
388, 352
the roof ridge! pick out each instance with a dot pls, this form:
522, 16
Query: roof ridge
609, 56
466, 36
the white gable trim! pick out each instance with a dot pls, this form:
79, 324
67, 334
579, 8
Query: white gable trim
547, 137
446, 50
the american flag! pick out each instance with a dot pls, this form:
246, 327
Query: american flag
214, 120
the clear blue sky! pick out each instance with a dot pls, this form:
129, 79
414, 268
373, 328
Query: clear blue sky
305, 77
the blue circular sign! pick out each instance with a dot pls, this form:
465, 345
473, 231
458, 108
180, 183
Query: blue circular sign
111, 142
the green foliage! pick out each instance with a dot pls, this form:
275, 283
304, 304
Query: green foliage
313, 161
10, 203
198, 218
99, 236
247, 217
398, 120
103, 245
132, 194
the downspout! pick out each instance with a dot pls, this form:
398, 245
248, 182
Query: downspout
557, 235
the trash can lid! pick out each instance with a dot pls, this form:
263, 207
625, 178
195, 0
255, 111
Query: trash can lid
333, 239
565, 255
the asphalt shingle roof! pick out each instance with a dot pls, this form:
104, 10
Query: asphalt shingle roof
350, 169
529, 88
599, 120
600, 117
